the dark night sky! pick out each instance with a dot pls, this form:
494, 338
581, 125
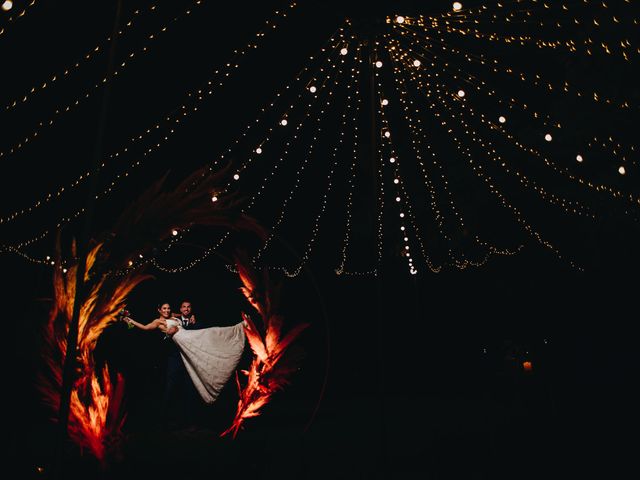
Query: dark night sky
404, 373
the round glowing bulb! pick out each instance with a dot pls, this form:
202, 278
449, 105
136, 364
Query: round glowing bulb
402, 228
461, 93
344, 51
52, 262
214, 199
130, 263
402, 215
392, 160
174, 232
397, 199
48, 258
406, 239
378, 64
457, 6
236, 177
6, 6
406, 247
579, 158
416, 63
283, 122
64, 270
385, 102
387, 134
548, 137
258, 150
396, 181
501, 119
399, 19
622, 170
312, 89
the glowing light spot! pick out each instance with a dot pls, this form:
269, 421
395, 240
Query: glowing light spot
392, 160
313, 89
461, 93
399, 19
387, 134
174, 232
548, 137
579, 158
6, 6
385, 102
396, 181
397, 199
622, 170
378, 64
416, 63
457, 6
344, 51
236, 177
502, 119
258, 150
214, 199
283, 122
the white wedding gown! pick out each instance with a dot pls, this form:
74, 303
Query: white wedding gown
211, 355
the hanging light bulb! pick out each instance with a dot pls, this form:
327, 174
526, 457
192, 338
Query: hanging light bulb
6, 5
548, 137
385, 102
502, 119
378, 64
399, 19
416, 63
174, 232
622, 170
579, 158
461, 93
457, 6
344, 51
258, 150
312, 89
283, 122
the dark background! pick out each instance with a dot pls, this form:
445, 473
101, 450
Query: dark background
403, 375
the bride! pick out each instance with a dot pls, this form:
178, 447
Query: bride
210, 355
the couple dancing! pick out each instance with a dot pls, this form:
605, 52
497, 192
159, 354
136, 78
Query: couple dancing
210, 355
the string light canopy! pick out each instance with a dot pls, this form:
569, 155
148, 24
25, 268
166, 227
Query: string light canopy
427, 141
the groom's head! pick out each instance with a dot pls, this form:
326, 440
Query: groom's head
185, 309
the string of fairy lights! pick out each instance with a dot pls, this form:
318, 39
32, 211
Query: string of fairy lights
325, 73
568, 205
172, 122
548, 137
90, 91
435, 66
7, 6
417, 133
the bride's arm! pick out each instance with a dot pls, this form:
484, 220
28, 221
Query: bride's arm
154, 324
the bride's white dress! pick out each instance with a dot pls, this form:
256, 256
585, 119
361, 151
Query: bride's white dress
211, 355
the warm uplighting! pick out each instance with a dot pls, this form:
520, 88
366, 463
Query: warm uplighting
6, 6
548, 137
416, 63
312, 89
236, 177
399, 19
457, 6
283, 122
174, 232
214, 199
579, 158
622, 170
385, 102
258, 150
378, 64
502, 119
461, 93
344, 51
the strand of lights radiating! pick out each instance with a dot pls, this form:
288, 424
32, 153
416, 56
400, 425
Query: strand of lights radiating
340, 269
266, 179
302, 166
172, 121
56, 78
587, 45
535, 79
60, 111
314, 231
402, 197
478, 170
568, 206
614, 148
558, 169
417, 133
7, 6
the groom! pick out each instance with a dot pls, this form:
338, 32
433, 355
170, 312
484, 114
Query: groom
180, 400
